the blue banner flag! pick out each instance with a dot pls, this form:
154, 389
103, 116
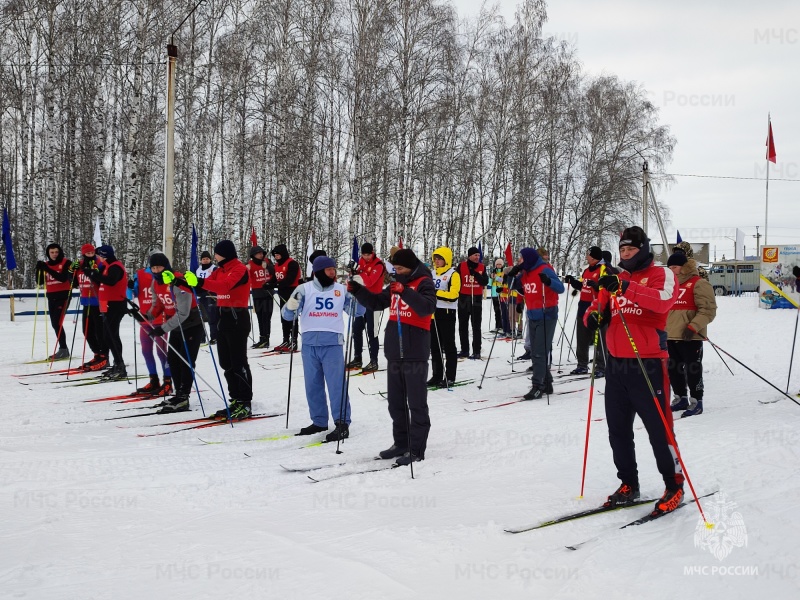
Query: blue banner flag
194, 262
11, 262
355, 250
679, 238
480, 251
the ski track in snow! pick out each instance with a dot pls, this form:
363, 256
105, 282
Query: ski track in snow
92, 511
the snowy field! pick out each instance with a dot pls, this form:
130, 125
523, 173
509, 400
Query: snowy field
91, 510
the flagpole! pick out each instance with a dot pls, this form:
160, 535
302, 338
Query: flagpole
766, 199
11, 297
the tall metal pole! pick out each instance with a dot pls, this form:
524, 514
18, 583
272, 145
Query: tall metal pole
645, 183
766, 199
169, 171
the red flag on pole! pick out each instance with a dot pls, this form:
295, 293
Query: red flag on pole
399, 242
771, 156
509, 255
253, 237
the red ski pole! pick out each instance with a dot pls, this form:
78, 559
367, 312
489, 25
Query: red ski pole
667, 428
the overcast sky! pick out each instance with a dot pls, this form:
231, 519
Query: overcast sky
715, 69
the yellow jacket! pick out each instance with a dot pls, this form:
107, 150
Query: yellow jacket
450, 294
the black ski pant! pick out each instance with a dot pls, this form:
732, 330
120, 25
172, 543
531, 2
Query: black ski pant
367, 321
263, 309
498, 319
111, 320
686, 367
584, 338
210, 313
407, 381
234, 329
443, 343
289, 327
182, 377
92, 324
57, 303
469, 311
628, 395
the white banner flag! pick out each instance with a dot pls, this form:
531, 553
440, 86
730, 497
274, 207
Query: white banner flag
309, 250
97, 240
739, 253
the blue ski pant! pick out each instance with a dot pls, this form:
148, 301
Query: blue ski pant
324, 365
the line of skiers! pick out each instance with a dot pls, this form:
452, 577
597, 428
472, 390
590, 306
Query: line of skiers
647, 324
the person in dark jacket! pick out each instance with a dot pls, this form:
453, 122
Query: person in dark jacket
470, 302
58, 283
92, 323
113, 280
230, 282
262, 282
411, 300
587, 285
287, 277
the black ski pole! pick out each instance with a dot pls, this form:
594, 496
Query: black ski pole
74, 335
407, 408
291, 365
794, 340
544, 341
186, 349
705, 339
345, 398
480, 385
135, 360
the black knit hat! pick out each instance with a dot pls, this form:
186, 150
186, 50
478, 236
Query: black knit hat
405, 258
206, 254
255, 250
677, 259
634, 236
607, 258
596, 253
158, 259
472, 251
316, 254
367, 248
226, 249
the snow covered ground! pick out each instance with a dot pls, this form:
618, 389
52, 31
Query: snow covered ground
91, 510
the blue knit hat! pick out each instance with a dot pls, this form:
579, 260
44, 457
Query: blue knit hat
322, 262
105, 251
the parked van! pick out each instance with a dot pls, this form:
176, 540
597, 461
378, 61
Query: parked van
734, 276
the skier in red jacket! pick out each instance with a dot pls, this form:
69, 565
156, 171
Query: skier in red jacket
644, 294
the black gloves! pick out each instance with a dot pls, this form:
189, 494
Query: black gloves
353, 286
688, 334
573, 281
593, 321
156, 331
544, 278
613, 284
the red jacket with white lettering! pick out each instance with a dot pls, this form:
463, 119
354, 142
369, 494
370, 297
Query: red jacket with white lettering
230, 281
645, 305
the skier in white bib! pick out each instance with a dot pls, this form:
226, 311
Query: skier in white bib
320, 306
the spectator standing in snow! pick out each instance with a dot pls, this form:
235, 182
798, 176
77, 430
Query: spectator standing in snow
694, 309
